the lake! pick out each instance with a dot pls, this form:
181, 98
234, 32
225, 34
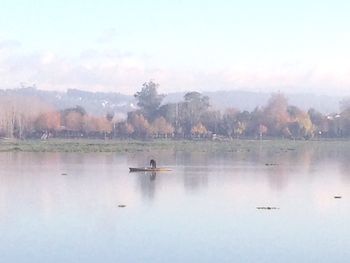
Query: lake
212, 207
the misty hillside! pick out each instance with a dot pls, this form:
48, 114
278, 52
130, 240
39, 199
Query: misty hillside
99, 103
96, 103
244, 100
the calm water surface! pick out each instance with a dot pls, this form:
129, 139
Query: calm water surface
59, 207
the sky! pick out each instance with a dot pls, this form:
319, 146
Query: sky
291, 46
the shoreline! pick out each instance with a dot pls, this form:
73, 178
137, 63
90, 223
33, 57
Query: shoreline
236, 145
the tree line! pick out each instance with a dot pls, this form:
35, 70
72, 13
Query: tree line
193, 117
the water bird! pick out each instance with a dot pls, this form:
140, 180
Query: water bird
267, 207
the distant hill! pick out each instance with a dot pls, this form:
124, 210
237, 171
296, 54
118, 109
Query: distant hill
99, 103
245, 100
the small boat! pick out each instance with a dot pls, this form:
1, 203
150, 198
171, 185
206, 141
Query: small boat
149, 169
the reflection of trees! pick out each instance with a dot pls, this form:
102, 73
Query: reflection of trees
279, 162
278, 177
147, 182
345, 165
32, 184
153, 176
289, 162
195, 178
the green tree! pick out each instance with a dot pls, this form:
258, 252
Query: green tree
110, 116
211, 120
256, 125
169, 113
343, 123
77, 109
149, 100
191, 110
229, 120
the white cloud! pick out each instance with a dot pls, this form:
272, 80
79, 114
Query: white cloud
90, 71
9, 44
111, 70
108, 36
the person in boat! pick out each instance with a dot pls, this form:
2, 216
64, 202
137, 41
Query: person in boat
153, 164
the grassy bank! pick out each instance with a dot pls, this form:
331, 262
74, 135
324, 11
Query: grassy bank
181, 145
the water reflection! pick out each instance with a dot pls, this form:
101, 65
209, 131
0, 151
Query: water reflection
147, 183
153, 176
195, 177
201, 209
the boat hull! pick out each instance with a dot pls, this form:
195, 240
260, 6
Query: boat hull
148, 169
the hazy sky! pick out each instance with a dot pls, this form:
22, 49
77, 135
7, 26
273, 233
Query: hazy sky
116, 45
